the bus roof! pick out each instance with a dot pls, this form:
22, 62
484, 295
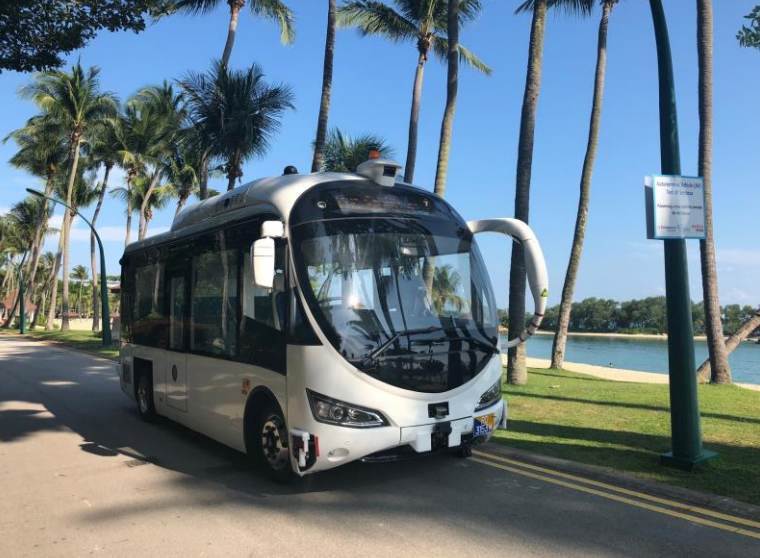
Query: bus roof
274, 195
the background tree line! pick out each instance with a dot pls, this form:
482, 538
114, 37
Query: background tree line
646, 315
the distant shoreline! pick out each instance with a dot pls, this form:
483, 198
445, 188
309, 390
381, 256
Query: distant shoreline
656, 336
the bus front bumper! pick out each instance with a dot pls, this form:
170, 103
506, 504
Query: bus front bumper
320, 446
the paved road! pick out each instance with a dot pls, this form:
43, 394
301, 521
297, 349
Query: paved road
74, 481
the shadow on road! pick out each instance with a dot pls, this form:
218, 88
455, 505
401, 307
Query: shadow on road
44, 389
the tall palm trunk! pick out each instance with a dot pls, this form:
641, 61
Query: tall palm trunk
721, 372
128, 234
95, 301
704, 371
517, 373
143, 226
235, 7
563, 321
414, 117
324, 104
54, 285
447, 126
67, 218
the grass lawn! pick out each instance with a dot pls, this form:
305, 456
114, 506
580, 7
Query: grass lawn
81, 340
626, 426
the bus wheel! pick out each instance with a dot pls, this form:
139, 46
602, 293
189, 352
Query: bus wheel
144, 395
270, 445
464, 451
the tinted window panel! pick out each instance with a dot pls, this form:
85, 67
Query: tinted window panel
149, 321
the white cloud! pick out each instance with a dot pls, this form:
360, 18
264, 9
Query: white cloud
4, 210
738, 257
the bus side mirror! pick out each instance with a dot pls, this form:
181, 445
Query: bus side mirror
262, 262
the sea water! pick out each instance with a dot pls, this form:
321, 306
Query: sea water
645, 355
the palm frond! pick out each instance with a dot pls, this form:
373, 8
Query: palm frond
466, 57
276, 10
375, 18
581, 8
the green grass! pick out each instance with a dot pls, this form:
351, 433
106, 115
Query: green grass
626, 427
81, 340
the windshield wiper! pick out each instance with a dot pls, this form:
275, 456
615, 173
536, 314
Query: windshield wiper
396, 334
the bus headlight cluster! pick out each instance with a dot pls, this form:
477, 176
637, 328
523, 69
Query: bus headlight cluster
332, 411
490, 397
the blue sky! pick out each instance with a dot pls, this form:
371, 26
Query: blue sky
372, 93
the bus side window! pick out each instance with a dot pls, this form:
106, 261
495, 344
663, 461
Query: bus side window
214, 297
149, 324
265, 314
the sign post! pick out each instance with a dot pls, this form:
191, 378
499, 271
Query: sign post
684, 405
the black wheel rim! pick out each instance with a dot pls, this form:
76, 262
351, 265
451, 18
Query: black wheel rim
274, 442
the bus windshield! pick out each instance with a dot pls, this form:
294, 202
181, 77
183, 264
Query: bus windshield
404, 300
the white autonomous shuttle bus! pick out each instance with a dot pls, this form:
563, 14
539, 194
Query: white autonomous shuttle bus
312, 320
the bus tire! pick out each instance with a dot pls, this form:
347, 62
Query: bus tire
144, 396
267, 443
464, 452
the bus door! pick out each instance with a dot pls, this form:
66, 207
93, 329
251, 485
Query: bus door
176, 359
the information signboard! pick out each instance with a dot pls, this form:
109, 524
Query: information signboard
675, 207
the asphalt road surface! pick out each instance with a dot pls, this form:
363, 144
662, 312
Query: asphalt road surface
81, 475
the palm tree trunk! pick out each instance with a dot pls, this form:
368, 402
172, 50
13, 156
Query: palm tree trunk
235, 7
128, 233
721, 372
67, 218
39, 235
516, 370
447, 126
414, 118
144, 205
560, 337
54, 285
180, 204
95, 301
203, 180
324, 104
704, 371
40, 308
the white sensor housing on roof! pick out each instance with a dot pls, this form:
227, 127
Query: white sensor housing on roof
382, 171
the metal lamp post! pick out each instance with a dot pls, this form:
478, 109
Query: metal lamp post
106, 312
684, 405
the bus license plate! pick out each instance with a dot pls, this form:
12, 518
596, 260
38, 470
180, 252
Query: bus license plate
484, 425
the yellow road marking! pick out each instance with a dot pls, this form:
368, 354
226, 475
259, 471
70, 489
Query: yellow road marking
641, 495
615, 497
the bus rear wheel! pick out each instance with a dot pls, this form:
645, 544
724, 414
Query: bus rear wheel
269, 444
144, 396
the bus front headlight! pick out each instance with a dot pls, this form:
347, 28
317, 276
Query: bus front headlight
490, 397
331, 411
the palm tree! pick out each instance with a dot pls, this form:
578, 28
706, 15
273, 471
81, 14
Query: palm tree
103, 151
273, 10
327, 72
238, 111
148, 128
516, 371
571, 275
423, 22
46, 263
79, 274
180, 170
716, 344
41, 152
167, 111
76, 102
447, 126
135, 197
21, 225
344, 153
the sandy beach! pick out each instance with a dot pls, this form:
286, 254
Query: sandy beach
614, 374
